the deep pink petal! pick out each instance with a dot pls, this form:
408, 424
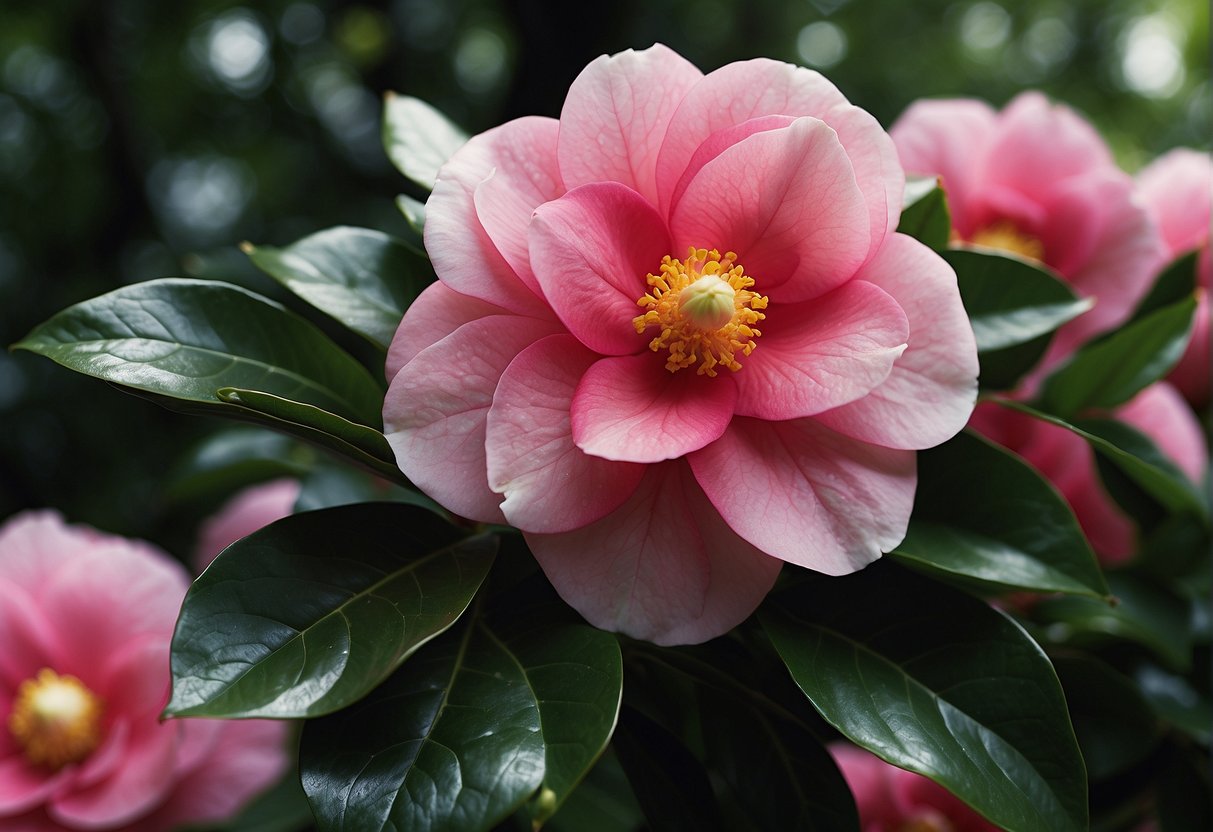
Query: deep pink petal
24, 786
871, 782
930, 392
662, 567
1178, 189
744, 90
137, 680
549, 484
807, 495
615, 117
592, 249
631, 409
29, 641
464, 256
524, 176
823, 353
435, 409
786, 201
1192, 375
244, 513
1161, 414
947, 138
436, 313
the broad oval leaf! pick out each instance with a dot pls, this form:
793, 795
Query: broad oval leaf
937, 682
450, 743
969, 522
924, 213
362, 278
184, 339
418, 139
1112, 370
310, 613
414, 216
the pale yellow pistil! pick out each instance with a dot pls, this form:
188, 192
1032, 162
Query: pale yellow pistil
1004, 236
704, 309
55, 719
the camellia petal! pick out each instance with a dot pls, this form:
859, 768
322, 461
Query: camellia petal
661, 567
435, 410
808, 495
549, 484
436, 313
630, 408
932, 388
1161, 414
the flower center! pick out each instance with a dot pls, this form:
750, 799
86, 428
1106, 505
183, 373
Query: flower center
704, 309
56, 719
1005, 236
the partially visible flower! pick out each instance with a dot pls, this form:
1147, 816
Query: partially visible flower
676, 342
1036, 180
85, 622
891, 799
1069, 462
243, 514
1178, 188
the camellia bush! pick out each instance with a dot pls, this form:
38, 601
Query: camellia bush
715, 459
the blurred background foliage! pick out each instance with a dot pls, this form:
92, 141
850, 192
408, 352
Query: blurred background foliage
141, 139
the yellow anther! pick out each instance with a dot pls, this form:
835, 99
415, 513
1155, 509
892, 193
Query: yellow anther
1004, 236
55, 719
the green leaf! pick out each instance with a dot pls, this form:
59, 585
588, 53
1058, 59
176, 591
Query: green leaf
969, 522
310, 613
603, 802
924, 213
418, 139
1176, 283
233, 458
1014, 307
184, 339
282, 808
450, 743
1112, 370
937, 682
362, 278
414, 216
326, 486
1176, 700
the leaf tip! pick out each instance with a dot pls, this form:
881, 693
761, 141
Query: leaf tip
248, 248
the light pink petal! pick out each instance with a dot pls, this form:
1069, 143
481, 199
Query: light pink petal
437, 312
787, 203
807, 495
1192, 375
1037, 145
821, 354
523, 177
1178, 188
435, 409
29, 641
592, 249
247, 511
744, 90
549, 484
615, 117
662, 567
35, 544
930, 392
631, 409
24, 786
1161, 414
720, 141
947, 138
464, 255
247, 757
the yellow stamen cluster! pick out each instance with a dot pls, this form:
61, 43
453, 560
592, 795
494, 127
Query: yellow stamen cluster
55, 719
693, 315
1004, 236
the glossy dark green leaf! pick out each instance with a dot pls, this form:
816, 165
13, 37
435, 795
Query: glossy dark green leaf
185, 339
310, 613
414, 216
1109, 372
1177, 282
365, 439
969, 522
450, 743
937, 682
603, 802
1115, 727
1134, 454
362, 278
328, 485
1014, 307
924, 213
236, 457
418, 139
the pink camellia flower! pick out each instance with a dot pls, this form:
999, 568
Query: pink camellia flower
676, 342
1068, 461
1038, 181
891, 799
243, 514
1178, 188
85, 623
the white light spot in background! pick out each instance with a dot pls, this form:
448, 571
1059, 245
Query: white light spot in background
202, 197
480, 60
234, 50
821, 44
984, 27
1049, 42
1151, 59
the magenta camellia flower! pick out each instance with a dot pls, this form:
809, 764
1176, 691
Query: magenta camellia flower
1178, 188
1068, 461
891, 799
1036, 180
676, 342
85, 623
246, 512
